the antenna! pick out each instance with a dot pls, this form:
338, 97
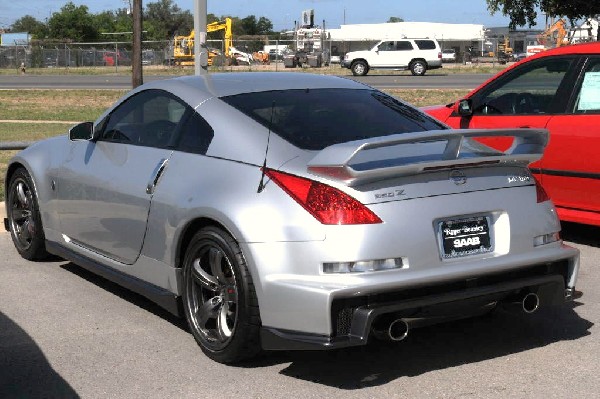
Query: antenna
261, 185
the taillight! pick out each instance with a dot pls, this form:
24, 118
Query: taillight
327, 204
439, 55
542, 195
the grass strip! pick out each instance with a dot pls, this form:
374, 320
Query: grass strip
30, 131
56, 105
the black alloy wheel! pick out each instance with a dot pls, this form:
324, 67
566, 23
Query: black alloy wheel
219, 298
24, 217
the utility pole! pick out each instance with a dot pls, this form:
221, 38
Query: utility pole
136, 59
200, 50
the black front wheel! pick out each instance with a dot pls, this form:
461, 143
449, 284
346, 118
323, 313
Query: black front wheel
418, 68
24, 218
359, 68
219, 297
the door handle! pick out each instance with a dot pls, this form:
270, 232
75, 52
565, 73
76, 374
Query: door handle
156, 175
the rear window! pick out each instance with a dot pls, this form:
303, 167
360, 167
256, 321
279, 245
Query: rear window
313, 119
425, 44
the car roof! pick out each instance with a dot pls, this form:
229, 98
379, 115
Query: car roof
579, 48
227, 84
197, 89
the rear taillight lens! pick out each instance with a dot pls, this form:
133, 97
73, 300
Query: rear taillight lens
440, 55
327, 204
542, 195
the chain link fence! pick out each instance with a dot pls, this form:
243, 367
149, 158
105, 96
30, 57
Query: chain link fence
160, 53
116, 54
79, 55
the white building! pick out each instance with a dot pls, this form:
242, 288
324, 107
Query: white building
461, 37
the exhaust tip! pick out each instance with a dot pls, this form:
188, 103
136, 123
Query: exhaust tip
530, 303
398, 330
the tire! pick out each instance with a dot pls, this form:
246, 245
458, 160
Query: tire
219, 299
359, 68
24, 218
418, 68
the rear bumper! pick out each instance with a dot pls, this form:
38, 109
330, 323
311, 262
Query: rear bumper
434, 64
353, 317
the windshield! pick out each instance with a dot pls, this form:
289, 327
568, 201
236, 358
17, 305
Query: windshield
313, 119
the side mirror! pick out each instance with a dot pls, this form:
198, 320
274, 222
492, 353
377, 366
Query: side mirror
465, 107
82, 131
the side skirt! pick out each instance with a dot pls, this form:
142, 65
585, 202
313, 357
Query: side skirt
163, 298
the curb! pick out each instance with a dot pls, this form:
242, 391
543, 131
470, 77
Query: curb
2, 216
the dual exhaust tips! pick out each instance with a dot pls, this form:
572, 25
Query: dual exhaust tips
391, 328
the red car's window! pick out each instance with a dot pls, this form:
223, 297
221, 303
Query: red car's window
531, 90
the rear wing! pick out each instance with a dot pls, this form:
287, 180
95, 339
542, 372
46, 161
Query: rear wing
413, 153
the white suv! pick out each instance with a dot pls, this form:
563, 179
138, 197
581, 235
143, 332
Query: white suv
418, 55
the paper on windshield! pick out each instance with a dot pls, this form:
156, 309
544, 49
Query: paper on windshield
589, 98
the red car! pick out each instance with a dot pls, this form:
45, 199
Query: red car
559, 90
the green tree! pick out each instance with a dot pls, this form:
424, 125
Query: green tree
113, 21
236, 26
523, 12
249, 25
163, 19
73, 23
252, 26
123, 21
264, 26
37, 29
105, 22
395, 19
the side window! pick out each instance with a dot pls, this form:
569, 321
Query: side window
386, 46
425, 44
588, 98
196, 135
404, 45
150, 118
528, 90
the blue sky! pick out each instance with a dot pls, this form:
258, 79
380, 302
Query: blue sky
284, 13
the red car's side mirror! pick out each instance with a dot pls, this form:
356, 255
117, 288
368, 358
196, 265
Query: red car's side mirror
464, 107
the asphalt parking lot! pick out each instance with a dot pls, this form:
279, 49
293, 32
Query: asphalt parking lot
66, 333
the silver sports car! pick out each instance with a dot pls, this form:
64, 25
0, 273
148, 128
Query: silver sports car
292, 211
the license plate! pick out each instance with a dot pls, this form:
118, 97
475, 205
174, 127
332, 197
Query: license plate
465, 237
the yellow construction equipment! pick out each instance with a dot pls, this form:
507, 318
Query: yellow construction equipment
504, 51
183, 46
555, 35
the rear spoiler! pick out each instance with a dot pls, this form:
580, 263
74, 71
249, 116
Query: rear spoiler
334, 161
